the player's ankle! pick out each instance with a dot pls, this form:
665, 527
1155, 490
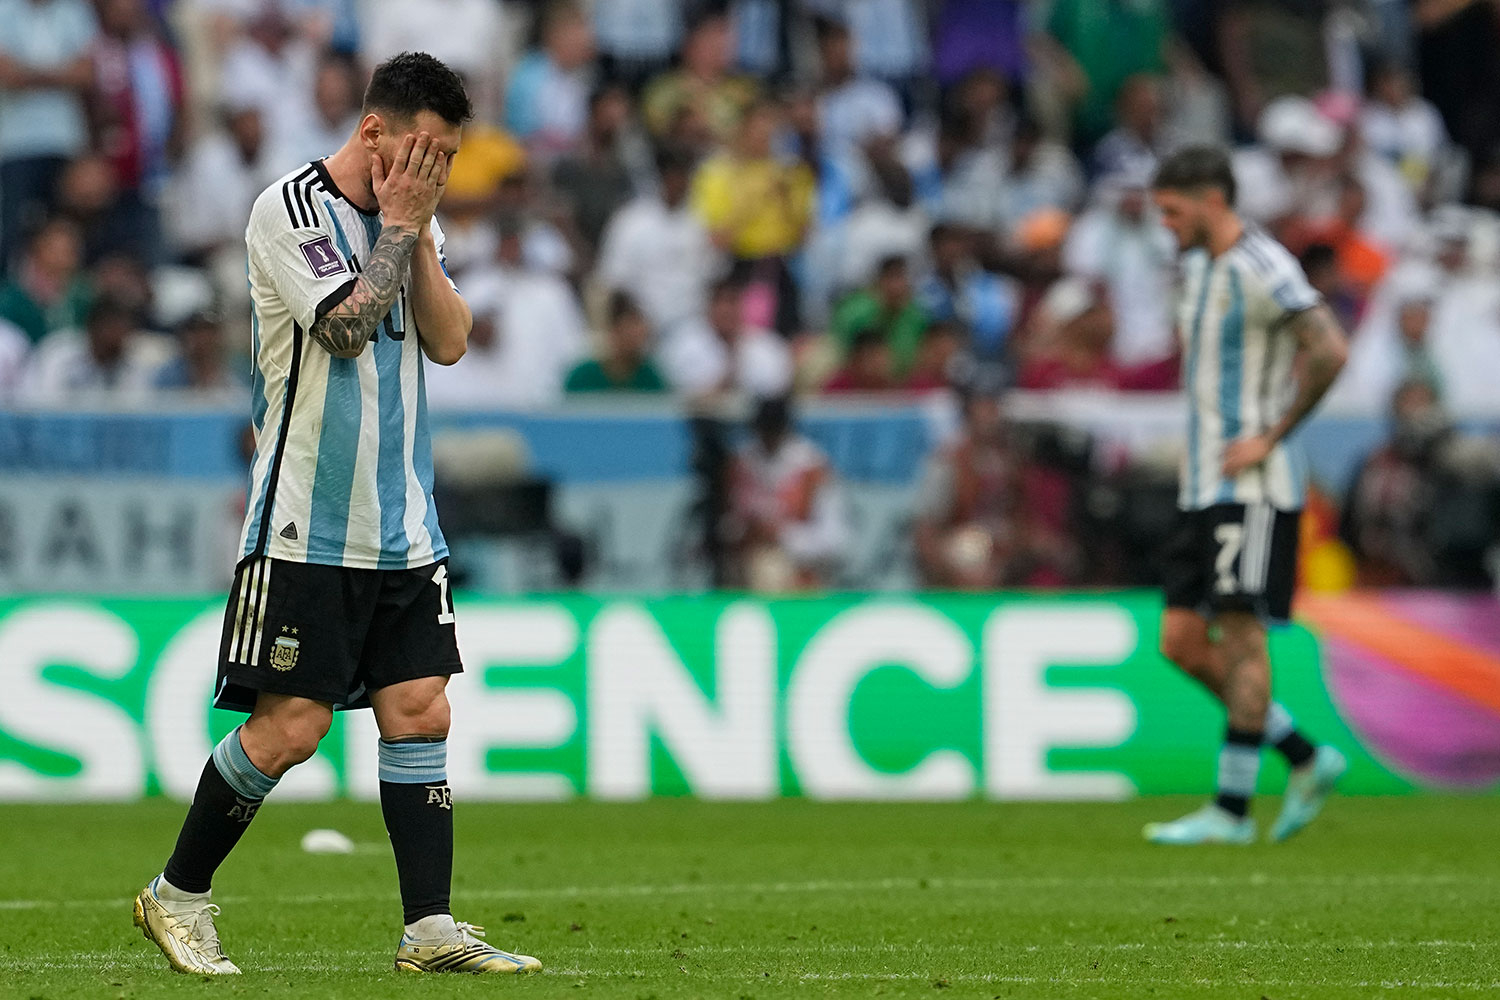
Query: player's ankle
169, 893
436, 925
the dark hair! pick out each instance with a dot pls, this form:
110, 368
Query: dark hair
622, 305
673, 158
1318, 256
1196, 167
729, 284
107, 306
890, 263
413, 82
866, 338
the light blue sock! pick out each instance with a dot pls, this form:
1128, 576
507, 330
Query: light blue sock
240, 774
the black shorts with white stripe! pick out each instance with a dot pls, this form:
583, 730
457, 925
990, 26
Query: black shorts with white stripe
332, 633
1233, 557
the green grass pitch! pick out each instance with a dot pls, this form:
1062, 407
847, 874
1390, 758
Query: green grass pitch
677, 898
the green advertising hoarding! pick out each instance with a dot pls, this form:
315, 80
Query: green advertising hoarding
1015, 696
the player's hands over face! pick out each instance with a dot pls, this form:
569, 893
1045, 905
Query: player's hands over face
409, 190
1246, 453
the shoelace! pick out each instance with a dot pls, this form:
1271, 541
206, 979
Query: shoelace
469, 930
208, 936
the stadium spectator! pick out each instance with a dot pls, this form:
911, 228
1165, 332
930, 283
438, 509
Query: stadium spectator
211, 192
941, 355
853, 111
761, 29
1072, 348
1139, 137
1320, 262
200, 365
336, 100
889, 308
547, 97
786, 519
636, 39
1118, 243
108, 356
1094, 47
86, 197
1289, 171
1362, 260
980, 35
272, 66
1402, 127
658, 249
1040, 175
45, 73
703, 91
867, 366
1387, 516
1459, 74
48, 291
533, 334
721, 354
843, 255
890, 39
470, 36
758, 207
624, 364
959, 291
138, 99
959, 178
595, 181
975, 528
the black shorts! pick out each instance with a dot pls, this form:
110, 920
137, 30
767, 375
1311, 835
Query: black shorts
1233, 557
332, 633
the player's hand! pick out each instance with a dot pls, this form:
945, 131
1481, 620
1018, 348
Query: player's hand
1246, 453
409, 190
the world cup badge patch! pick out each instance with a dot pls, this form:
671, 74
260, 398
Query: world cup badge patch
322, 258
284, 652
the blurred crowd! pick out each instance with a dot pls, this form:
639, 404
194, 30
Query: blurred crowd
750, 198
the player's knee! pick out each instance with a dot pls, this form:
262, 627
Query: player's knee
421, 710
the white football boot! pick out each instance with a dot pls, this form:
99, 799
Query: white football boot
184, 932
459, 950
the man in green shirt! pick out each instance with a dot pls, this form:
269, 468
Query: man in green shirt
890, 307
47, 293
624, 366
1103, 43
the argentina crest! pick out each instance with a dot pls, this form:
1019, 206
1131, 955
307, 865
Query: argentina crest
284, 652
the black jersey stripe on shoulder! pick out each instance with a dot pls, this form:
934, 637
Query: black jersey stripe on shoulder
304, 192
291, 197
286, 426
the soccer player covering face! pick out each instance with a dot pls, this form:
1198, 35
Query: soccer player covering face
1259, 351
341, 598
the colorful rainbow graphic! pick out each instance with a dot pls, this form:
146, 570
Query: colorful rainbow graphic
1416, 675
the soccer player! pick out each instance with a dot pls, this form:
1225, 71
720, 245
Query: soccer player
1259, 351
341, 599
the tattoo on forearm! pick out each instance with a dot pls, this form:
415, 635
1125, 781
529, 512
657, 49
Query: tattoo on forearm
1322, 345
348, 326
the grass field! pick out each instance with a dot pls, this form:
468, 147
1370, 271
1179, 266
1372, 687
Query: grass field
675, 899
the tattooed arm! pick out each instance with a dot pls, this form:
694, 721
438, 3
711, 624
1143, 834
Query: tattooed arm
1322, 349
346, 328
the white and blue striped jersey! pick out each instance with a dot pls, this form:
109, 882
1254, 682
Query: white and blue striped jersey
342, 474
1237, 358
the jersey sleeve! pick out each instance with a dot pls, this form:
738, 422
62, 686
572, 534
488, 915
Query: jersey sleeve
292, 244
441, 241
1287, 290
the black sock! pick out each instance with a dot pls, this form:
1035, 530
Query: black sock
418, 810
229, 795
1239, 763
1281, 733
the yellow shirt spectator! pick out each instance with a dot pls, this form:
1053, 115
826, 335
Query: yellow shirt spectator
488, 157
754, 207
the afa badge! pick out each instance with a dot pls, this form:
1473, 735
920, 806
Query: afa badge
284, 652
